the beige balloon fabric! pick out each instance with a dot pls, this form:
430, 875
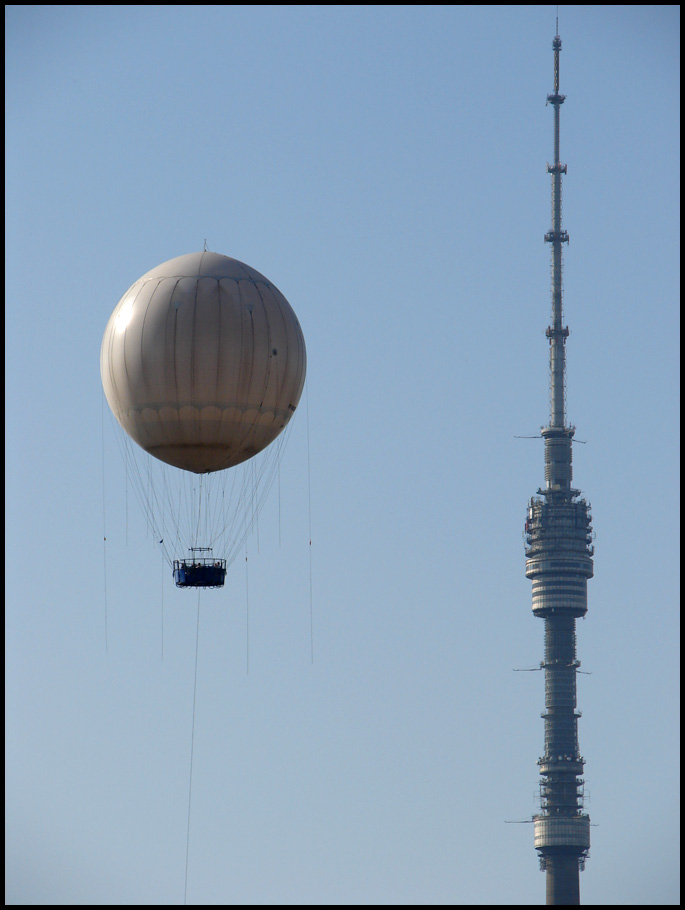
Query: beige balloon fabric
203, 362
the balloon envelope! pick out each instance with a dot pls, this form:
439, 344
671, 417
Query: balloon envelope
203, 362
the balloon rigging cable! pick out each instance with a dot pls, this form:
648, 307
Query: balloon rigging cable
219, 509
309, 505
104, 523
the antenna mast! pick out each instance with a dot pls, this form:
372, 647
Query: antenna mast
557, 236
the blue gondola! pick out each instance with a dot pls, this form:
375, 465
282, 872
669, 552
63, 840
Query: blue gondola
200, 571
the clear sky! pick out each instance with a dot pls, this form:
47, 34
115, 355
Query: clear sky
384, 166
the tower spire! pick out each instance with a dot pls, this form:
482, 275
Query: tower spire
558, 537
557, 236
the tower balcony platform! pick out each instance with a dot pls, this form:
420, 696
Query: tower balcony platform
561, 764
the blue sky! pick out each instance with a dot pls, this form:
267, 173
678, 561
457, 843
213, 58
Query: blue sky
384, 166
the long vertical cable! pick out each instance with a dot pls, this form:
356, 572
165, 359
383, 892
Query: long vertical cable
126, 488
104, 523
247, 617
309, 498
162, 629
256, 500
163, 561
279, 500
192, 747
253, 501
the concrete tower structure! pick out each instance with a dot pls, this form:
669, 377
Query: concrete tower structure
558, 542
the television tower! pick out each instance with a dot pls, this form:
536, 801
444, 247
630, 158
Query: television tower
558, 545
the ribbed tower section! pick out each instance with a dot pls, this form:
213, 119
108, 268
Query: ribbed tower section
558, 540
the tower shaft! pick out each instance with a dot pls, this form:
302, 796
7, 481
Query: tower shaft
559, 562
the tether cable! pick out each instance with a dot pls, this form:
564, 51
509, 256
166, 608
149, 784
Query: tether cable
192, 748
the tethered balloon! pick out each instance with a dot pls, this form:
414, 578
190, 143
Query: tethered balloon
203, 362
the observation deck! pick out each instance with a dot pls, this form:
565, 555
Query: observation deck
567, 832
558, 546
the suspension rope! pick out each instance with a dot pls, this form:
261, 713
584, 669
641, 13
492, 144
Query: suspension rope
162, 629
247, 618
199, 512
126, 490
309, 501
255, 510
104, 523
223, 506
192, 748
279, 502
